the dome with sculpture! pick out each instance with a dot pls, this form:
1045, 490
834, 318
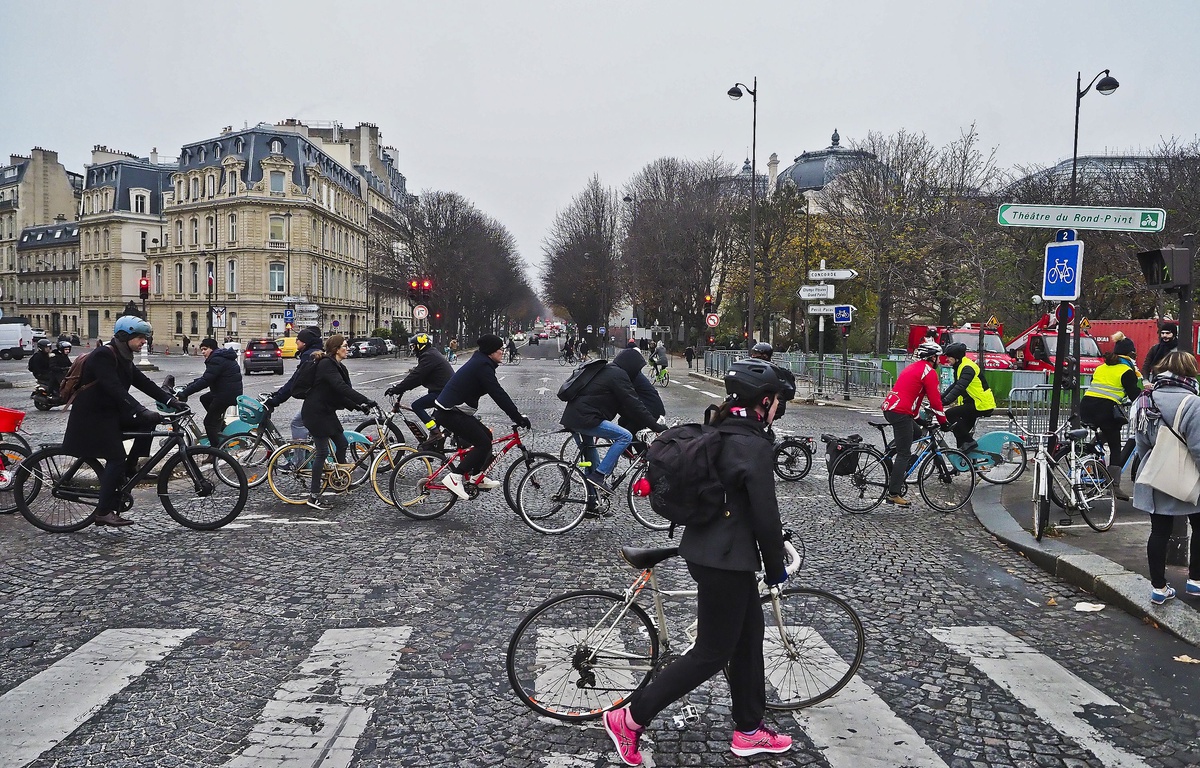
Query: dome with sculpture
813, 170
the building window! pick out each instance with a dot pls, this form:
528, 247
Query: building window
233, 227
158, 278
195, 277
276, 273
277, 229
210, 224
179, 191
195, 231
179, 323
142, 237
139, 203
178, 278
106, 241
230, 183
277, 182
210, 185
179, 232
216, 151
276, 146
195, 327
231, 277
194, 188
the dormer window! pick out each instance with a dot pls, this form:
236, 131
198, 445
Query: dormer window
202, 154
276, 146
238, 145
216, 151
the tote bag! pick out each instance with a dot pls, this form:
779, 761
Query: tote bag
1169, 467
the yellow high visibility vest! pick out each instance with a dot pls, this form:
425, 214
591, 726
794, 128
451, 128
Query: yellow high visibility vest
983, 398
1106, 382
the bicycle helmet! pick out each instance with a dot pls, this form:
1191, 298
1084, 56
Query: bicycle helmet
762, 351
927, 350
131, 325
957, 350
45, 344
749, 380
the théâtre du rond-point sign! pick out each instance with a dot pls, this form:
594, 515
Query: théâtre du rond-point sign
1082, 217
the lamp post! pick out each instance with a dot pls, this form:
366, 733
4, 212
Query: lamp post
288, 288
736, 93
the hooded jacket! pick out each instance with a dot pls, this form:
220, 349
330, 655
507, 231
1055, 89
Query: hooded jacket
222, 377
611, 392
474, 379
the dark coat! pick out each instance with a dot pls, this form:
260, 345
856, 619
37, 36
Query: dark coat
330, 392
39, 364
222, 376
1156, 354
474, 379
432, 372
611, 392
284, 393
94, 423
750, 524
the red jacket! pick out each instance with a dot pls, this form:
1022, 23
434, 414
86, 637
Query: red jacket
917, 381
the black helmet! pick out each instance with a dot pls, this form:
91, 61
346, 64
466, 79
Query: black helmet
64, 346
957, 350
749, 380
45, 344
419, 342
762, 351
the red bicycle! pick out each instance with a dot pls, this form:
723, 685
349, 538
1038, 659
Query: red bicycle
417, 485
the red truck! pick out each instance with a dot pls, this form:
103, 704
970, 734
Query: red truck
1034, 349
994, 355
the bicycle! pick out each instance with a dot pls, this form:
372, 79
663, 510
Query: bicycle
582, 653
999, 456
858, 479
11, 420
793, 457
512, 358
1081, 487
418, 493
568, 357
661, 377
12, 456
58, 492
253, 449
374, 429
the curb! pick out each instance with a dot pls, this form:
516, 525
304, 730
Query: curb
803, 400
1092, 573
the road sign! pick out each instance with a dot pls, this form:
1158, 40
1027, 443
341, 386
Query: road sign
632, 324
712, 319
420, 312
289, 315
1082, 217
811, 292
832, 274
993, 322
1062, 273
336, 323
602, 330
820, 309
307, 308
589, 329
842, 313
1065, 236
1084, 324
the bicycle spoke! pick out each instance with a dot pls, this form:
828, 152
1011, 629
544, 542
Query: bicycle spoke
811, 648
194, 488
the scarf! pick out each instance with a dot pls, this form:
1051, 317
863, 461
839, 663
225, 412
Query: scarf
1147, 410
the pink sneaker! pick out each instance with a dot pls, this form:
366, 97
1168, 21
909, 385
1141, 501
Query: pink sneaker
762, 740
624, 737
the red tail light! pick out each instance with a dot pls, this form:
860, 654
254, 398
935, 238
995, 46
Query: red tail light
278, 353
249, 353
641, 487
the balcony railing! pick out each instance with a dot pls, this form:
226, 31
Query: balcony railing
280, 244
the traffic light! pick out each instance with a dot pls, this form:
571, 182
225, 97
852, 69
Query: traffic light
437, 319
425, 288
414, 291
144, 288
1166, 268
708, 303
711, 340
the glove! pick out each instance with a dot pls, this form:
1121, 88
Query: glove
523, 422
658, 427
777, 579
368, 406
271, 403
181, 398
148, 416
392, 391
175, 404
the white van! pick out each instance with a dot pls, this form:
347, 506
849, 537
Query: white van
16, 338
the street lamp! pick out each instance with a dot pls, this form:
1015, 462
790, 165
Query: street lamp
1105, 87
736, 93
288, 293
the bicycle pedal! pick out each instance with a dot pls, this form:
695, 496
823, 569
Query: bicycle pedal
688, 717
1065, 522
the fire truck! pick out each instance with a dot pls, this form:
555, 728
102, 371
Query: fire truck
1034, 349
994, 355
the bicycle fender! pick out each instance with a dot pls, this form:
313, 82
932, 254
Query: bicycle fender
237, 427
356, 437
992, 442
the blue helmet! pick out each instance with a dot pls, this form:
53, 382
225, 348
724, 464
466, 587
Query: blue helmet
131, 325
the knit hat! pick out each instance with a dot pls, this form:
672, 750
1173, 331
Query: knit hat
210, 343
1124, 347
489, 343
1172, 327
311, 336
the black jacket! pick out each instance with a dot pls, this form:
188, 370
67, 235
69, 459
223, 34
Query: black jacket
611, 392
750, 524
39, 364
432, 372
94, 422
330, 392
284, 393
474, 379
222, 377
1156, 354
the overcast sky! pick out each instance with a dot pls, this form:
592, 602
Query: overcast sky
516, 104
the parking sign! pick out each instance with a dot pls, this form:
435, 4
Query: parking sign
1062, 273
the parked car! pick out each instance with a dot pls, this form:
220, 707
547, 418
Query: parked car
16, 338
361, 348
262, 356
287, 345
391, 347
378, 345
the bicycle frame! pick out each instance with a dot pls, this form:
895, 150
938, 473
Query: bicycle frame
510, 441
175, 440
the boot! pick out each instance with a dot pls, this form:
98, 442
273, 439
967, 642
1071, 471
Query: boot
1114, 474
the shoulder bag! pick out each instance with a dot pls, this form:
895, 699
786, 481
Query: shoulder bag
1169, 467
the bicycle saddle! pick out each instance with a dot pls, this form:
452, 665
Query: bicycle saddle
878, 424
1077, 434
647, 558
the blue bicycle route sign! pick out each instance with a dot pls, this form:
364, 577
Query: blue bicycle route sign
842, 313
1063, 271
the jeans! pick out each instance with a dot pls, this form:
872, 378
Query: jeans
299, 431
1161, 527
903, 429
320, 453
621, 439
421, 403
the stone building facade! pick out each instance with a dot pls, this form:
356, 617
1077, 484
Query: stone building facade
48, 277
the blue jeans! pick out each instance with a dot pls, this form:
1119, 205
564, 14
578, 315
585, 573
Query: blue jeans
621, 439
299, 432
421, 403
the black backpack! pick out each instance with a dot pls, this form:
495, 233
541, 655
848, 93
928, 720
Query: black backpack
304, 379
682, 469
579, 378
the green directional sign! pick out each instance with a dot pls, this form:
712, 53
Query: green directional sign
1082, 217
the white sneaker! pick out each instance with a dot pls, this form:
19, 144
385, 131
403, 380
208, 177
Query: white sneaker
486, 483
455, 484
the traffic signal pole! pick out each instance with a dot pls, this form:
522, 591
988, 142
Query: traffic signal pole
1177, 544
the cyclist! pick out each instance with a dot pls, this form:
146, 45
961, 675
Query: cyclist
722, 557
330, 392
39, 362
762, 351
658, 359
308, 342
432, 372
103, 409
902, 406
223, 379
455, 407
569, 349
970, 392
512, 349
1100, 407
60, 365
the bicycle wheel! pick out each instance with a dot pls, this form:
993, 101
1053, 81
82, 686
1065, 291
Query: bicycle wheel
793, 459
56, 491
1040, 480
562, 360
15, 437
414, 490
639, 505
252, 453
946, 480
11, 457
581, 654
812, 647
1008, 463
289, 472
375, 431
1099, 507
858, 480
552, 497
381, 469
193, 489
518, 470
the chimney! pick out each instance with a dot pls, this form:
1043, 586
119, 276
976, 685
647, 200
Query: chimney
772, 171
60, 218
154, 155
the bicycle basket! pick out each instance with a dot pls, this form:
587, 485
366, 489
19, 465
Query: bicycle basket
835, 448
250, 410
11, 419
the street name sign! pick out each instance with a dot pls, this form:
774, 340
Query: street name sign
1062, 271
820, 309
832, 274
1081, 217
811, 292
843, 313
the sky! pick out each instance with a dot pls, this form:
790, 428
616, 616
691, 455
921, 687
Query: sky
515, 105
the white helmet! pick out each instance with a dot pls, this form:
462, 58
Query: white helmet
928, 350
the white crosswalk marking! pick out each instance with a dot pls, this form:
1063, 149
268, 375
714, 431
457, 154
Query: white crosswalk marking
316, 718
1038, 682
45, 709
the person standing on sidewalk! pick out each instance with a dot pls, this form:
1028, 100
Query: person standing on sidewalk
1166, 344
1100, 406
918, 381
1175, 387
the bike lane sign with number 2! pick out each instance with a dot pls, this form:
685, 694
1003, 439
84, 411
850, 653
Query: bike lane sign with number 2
1063, 271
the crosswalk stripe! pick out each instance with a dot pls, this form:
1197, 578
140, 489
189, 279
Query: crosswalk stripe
317, 717
48, 707
1037, 681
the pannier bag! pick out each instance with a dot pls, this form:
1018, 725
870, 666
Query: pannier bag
835, 448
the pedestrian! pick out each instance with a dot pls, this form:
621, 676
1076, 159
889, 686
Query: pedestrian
1100, 406
1174, 388
186, 343
689, 354
308, 341
722, 557
223, 379
1167, 342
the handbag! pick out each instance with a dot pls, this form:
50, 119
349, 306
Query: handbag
1169, 467
1118, 414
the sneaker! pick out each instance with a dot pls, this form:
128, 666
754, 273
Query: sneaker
969, 446
598, 480
623, 736
1160, 596
486, 483
762, 740
898, 500
1192, 587
314, 502
454, 484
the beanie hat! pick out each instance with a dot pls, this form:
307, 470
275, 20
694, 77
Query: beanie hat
210, 343
489, 343
1172, 327
1124, 347
311, 336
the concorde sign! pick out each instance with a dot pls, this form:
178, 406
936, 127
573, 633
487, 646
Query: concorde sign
832, 274
1081, 217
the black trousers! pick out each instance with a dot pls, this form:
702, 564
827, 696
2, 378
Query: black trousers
963, 418
1156, 548
730, 631
117, 468
469, 429
904, 427
214, 417
321, 453
1098, 412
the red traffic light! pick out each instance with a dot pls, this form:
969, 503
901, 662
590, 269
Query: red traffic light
708, 298
426, 285
144, 283
413, 284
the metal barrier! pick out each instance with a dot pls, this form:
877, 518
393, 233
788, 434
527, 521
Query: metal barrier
826, 378
1035, 401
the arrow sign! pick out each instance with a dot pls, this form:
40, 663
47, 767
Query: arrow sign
813, 292
820, 309
712, 320
832, 274
1081, 217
